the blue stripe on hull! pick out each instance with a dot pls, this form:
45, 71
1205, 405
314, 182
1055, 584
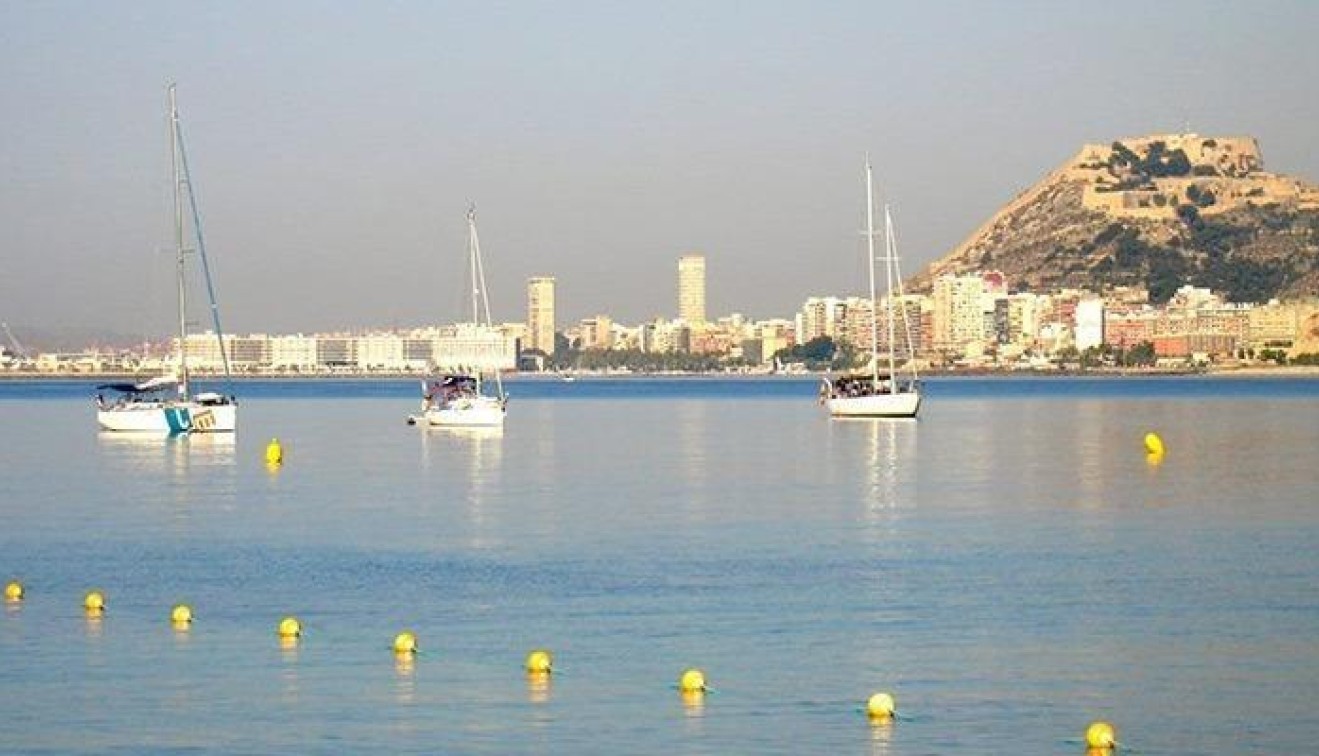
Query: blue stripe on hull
178, 419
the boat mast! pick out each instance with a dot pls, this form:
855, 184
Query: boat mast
870, 259
908, 342
889, 259
178, 241
480, 300
473, 263
201, 243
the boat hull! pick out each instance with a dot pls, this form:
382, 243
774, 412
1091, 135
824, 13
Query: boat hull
169, 417
479, 412
904, 404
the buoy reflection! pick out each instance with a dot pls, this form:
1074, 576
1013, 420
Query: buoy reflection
95, 627
881, 735
405, 688
538, 687
693, 703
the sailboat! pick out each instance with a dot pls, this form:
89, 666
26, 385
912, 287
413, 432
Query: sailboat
166, 403
460, 399
875, 393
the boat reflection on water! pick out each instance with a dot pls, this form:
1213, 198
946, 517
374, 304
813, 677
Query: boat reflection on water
889, 444
162, 452
484, 443
198, 469
470, 458
475, 433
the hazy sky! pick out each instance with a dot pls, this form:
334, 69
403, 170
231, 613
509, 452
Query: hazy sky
335, 145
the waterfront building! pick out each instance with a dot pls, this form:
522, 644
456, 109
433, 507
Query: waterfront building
820, 316
540, 314
691, 288
1089, 317
665, 336
380, 351
295, 353
418, 349
1129, 327
336, 352
596, 333
856, 323
959, 319
907, 322
469, 346
201, 351
1275, 325
713, 340
1023, 319
773, 335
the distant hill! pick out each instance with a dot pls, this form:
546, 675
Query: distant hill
1154, 211
34, 340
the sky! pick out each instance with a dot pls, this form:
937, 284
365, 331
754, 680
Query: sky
335, 146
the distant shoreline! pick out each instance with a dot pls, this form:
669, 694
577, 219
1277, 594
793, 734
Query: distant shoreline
1279, 371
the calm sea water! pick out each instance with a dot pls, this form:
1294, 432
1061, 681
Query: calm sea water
1010, 566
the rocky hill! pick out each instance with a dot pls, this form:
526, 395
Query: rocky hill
1156, 211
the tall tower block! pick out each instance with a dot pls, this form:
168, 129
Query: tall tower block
540, 313
691, 288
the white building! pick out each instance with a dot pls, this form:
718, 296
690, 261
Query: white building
293, 352
474, 347
820, 316
1089, 323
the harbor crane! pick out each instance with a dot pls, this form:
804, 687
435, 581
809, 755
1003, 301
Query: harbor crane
18, 348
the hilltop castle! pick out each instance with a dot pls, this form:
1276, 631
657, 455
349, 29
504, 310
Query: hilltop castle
1150, 177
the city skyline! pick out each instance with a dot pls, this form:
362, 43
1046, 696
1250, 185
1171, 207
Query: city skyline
599, 142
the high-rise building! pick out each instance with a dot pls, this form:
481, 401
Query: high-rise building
691, 289
959, 319
540, 314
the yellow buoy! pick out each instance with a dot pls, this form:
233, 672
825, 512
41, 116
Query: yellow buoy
289, 627
405, 643
540, 662
14, 591
1100, 735
1154, 444
881, 706
692, 681
94, 602
274, 452
181, 615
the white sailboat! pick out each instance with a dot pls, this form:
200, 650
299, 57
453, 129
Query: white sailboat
875, 393
459, 399
166, 404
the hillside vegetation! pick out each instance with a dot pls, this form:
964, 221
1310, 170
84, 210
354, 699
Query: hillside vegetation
1157, 212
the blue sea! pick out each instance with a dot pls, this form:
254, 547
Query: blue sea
1010, 567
